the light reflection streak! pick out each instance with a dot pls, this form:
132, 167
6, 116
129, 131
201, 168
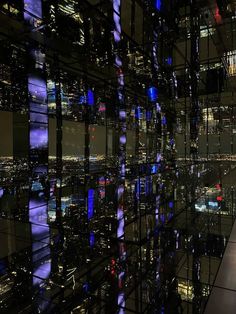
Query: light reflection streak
38, 141
122, 146
90, 203
121, 303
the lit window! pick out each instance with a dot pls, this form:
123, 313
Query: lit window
205, 32
231, 62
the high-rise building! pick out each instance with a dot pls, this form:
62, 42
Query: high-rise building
117, 156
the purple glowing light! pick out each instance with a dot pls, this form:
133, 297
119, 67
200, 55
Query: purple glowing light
37, 117
116, 6
118, 61
41, 169
37, 89
154, 50
162, 217
116, 36
117, 23
33, 10
121, 96
40, 233
121, 80
41, 273
120, 214
38, 137
121, 275
123, 170
171, 204
38, 215
121, 302
39, 58
120, 230
158, 107
158, 157
38, 218
122, 139
122, 114
157, 207
41, 238
121, 223
120, 191
116, 18
39, 108
36, 203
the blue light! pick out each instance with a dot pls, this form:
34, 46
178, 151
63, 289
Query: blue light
137, 188
90, 203
152, 94
158, 4
171, 204
163, 121
86, 287
82, 100
137, 113
154, 169
213, 204
162, 218
148, 115
90, 97
169, 61
92, 239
